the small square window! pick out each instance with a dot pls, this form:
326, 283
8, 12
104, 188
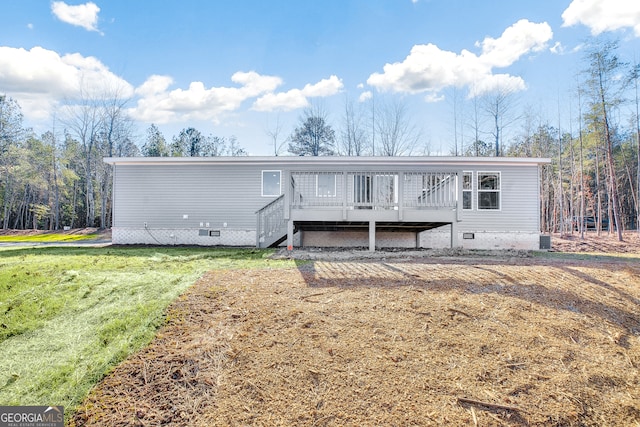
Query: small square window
326, 185
271, 183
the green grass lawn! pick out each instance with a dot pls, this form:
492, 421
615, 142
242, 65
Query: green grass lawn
69, 315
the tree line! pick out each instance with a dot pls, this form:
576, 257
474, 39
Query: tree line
59, 178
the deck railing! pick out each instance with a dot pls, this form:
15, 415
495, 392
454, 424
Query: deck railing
271, 223
431, 189
374, 190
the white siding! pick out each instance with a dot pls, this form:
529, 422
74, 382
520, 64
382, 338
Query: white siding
225, 195
161, 195
519, 203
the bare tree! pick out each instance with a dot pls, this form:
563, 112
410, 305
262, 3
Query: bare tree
477, 145
314, 136
11, 131
215, 146
458, 125
604, 90
353, 136
49, 139
275, 134
500, 105
634, 77
83, 121
396, 133
117, 129
234, 149
97, 119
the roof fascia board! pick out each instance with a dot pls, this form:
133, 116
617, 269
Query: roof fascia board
328, 161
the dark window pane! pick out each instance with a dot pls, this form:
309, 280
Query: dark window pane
488, 200
466, 200
466, 181
488, 182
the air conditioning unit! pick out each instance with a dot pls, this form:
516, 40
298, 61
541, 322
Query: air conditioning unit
545, 242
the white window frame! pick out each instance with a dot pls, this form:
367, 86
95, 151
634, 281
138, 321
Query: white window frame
335, 185
469, 190
279, 183
493, 190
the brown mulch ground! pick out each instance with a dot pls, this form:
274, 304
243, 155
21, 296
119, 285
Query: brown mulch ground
603, 243
415, 341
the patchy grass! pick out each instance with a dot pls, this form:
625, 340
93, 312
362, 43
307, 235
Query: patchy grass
588, 256
69, 315
48, 237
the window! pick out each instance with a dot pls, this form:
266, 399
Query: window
467, 190
326, 185
489, 190
270, 183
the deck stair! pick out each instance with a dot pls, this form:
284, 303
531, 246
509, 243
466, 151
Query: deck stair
272, 225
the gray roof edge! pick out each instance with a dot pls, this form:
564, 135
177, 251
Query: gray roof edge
329, 160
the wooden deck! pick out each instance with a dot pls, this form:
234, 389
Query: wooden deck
372, 200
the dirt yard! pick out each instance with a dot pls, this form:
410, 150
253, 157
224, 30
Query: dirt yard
403, 339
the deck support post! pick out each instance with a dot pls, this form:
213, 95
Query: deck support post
290, 235
454, 234
372, 236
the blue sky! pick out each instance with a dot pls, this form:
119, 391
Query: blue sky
236, 67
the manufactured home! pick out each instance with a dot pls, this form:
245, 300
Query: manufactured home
371, 202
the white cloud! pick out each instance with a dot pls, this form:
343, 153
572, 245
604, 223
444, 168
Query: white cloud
160, 105
40, 79
497, 83
283, 101
298, 98
433, 97
82, 15
430, 69
35, 71
255, 84
603, 15
325, 87
44, 75
154, 85
557, 48
578, 48
364, 96
520, 38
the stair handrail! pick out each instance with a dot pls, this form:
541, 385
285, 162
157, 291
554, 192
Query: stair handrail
270, 220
